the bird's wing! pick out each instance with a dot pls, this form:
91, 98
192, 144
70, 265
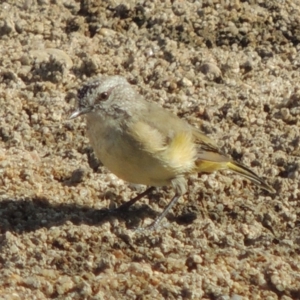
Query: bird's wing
204, 142
155, 125
158, 129
163, 135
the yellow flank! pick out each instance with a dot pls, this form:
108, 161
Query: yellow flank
176, 153
181, 152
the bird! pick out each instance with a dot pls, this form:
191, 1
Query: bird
144, 143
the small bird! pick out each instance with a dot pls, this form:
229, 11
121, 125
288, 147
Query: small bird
143, 143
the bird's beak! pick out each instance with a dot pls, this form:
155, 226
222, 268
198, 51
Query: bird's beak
80, 112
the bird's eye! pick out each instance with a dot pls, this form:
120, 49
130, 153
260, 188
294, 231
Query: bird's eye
103, 96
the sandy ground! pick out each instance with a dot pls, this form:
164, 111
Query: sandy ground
231, 68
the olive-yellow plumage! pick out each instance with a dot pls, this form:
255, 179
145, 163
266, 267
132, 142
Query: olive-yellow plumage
143, 143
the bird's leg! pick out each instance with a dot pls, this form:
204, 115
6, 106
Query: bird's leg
156, 223
127, 204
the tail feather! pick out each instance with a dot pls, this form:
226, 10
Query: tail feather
246, 172
209, 162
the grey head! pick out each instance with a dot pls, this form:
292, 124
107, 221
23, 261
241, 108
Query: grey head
93, 94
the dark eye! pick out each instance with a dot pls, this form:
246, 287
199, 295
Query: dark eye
103, 96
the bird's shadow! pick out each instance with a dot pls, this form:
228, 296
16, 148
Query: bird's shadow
30, 214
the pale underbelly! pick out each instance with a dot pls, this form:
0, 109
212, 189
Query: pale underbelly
132, 164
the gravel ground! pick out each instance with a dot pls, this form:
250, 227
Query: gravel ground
230, 68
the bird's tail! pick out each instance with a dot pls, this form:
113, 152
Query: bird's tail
246, 172
214, 161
